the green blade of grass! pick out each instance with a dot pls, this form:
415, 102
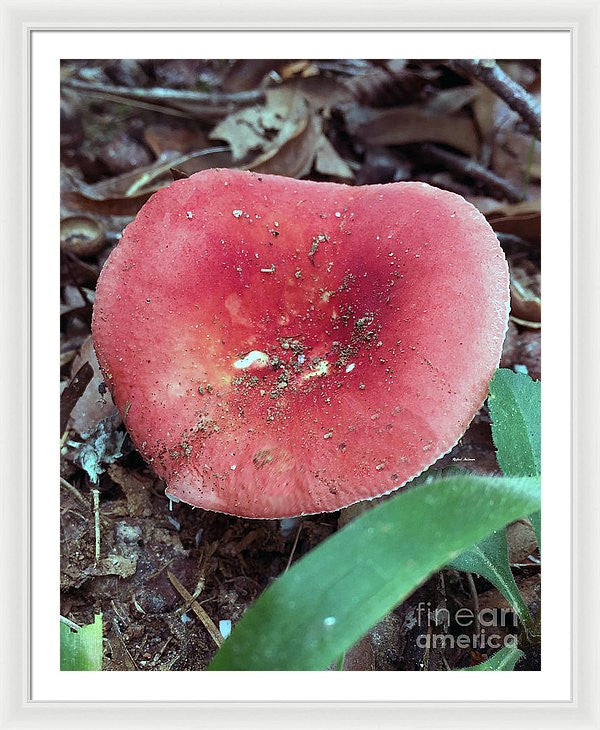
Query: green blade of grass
331, 597
81, 651
502, 661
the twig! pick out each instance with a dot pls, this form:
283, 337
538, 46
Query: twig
475, 599
294, 546
171, 96
96, 498
71, 624
465, 166
490, 74
75, 492
209, 624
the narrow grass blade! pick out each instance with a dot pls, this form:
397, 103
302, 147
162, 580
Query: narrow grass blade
81, 651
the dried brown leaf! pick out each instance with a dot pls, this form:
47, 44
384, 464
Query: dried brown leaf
521, 542
294, 158
380, 87
125, 194
72, 393
328, 161
91, 407
137, 489
410, 124
119, 565
450, 101
264, 128
520, 219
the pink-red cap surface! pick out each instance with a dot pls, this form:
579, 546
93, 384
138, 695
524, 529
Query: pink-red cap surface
280, 347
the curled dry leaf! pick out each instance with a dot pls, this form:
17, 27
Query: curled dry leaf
285, 135
168, 140
248, 73
517, 157
411, 124
264, 128
72, 393
451, 101
525, 302
125, 194
323, 93
382, 86
295, 157
81, 235
520, 219
521, 542
92, 406
77, 300
137, 489
328, 161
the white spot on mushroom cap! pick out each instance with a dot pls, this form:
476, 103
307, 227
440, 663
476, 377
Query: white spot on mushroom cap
350, 367
255, 357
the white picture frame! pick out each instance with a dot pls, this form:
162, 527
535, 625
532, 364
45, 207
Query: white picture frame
20, 591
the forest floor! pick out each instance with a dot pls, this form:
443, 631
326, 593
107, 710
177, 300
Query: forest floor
128, 128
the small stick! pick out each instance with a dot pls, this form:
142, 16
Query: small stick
209, 625
71, 624
209, 98
96, 498
294, 546
465, 166
475, 598
490, 74
75, 492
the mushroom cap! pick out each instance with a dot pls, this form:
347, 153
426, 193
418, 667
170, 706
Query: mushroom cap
281, 347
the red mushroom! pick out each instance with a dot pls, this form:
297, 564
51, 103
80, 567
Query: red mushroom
280, 347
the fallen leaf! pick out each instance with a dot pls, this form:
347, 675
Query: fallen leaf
165, 140
521, 543
137, 489
450, 101
295, 157
328, 161
119, 565
72, 393
125, 194
410, 124
264, 128
92, 406
520, 219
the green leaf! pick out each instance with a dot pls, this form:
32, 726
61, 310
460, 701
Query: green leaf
515, 407
489, 558
81, 651
326, 601
502, 661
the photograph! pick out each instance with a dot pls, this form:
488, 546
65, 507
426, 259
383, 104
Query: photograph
300, 364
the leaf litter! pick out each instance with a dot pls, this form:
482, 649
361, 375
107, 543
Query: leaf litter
353, 121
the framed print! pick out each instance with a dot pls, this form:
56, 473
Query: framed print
294, 307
